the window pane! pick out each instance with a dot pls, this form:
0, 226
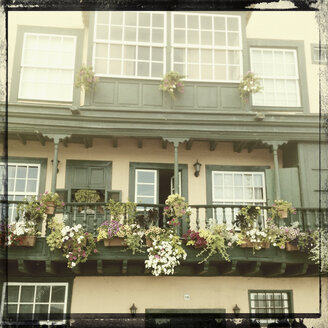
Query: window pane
131, 18
20, 185
115, 51
116, 17
146, 177
193, 37
102, 17
25, 312
116, 33
144, 19
206, 22
179, 21
144, 35
58, 294
193, 21
179, 36
158, 20
27, 294
143, 53
102, 32
143, 69
179, 55
157, 54
41, 311
145, 190
21, 172
232, 23
130, 34
146, 200
157, 36
156, 70
31, 186
12, 293
42, 294
129, 52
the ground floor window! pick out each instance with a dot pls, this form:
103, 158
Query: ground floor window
26, 302
270, 303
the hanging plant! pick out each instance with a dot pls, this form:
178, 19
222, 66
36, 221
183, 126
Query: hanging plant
249, 84
86, 78
172, 83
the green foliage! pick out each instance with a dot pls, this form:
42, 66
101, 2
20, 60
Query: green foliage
124, 212
85, 78
247, 216
249, 84
133, 237
54, 239
87, 196
31, 209
51, 197
172, 83
319, 253
281, 206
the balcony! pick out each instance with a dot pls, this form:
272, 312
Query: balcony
270, 262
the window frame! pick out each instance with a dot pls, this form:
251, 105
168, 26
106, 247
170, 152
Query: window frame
22, 66
301, 65
132, 43
226, 48
18, 54
155, 184
274, 78
316, 46
274, 315
35, 284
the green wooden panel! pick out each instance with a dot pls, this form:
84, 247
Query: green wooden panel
97, 177
151, 95
230, 98
289, 185
128, 93
207, 97
104, 93
185, 99
79, 177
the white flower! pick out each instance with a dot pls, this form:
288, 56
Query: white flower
73, 264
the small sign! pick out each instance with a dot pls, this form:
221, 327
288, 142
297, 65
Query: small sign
187, 297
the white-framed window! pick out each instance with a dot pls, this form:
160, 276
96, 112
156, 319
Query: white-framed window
320, 54
278, 73
146, 186
270, 303
236, 188
23, 181
43, 302
207, 47
47, 67
130, 44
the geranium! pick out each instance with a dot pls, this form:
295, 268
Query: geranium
86, 78
165, 254
172, 83
75, 243
194, 239
249, 84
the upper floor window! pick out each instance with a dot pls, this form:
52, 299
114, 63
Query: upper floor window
207, 47
278, 72
23, 181
129, 44
203, 47
47, 67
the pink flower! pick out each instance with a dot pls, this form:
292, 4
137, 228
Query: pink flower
46, 193
62, 204
95, 251
157, 256
74, 257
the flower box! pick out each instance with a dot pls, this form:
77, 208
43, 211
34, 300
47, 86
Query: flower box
115, 241
291, 248
250, 244
283, 214
27, 241
50, 209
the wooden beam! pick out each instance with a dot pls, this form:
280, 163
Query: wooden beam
189, 144
164, 144
253, 268
50, 267
22, 267
100, 268
115, 142
205, 268
87, 142
238, 146
299, 270
279, 271
41, 139
233, 268
77, 269
21, 138
65, 142
140, 143
124, 266
213, 145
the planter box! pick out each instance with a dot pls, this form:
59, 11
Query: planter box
291, 247
28, 241
116, 241
283, 214
249, 244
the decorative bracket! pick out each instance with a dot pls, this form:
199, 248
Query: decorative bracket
175, 141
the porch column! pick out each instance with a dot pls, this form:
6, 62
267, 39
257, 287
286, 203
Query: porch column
176, 142
56, 138
275, 145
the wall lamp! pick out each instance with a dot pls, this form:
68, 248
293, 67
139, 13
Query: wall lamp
236, 310
197, 166
133, 310
58, 162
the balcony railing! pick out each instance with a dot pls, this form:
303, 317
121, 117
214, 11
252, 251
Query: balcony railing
91, 215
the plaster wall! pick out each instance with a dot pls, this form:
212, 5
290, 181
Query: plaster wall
116, 294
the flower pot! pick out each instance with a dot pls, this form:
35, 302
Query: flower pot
250, 244
115, 241
291, 248
283, 214
27, 241
149, 242
50, 209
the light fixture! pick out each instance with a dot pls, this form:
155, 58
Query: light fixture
236, 310
197, 166
133, 310
58, 162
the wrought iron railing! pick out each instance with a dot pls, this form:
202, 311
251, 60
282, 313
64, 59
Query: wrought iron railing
91, 215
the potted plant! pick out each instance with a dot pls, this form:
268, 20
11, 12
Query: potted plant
21, 234
31, 209
109, 233
165, 254
122, 212
133, 237
249, 84
247, 217
192, 238
86, 79
172, 84
51, 201
254, 238
75, 243
319, 253
281, 208
87, 196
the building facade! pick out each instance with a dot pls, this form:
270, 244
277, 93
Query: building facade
131, 141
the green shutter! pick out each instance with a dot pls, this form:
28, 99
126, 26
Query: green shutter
289, 185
